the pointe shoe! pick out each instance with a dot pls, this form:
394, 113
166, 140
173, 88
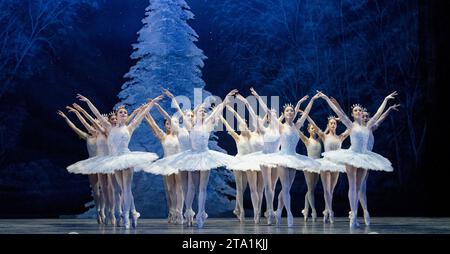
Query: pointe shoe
112, 218
256, 218
119, 220
290, 220
353, 222
367, 218
350, 214
99, 218
331, 216
241, 217
189, 214
278, 216
179, 218
271, 217
134, 218
305, 214
126, 221
326, 216
314, 215
201, 219
237, 212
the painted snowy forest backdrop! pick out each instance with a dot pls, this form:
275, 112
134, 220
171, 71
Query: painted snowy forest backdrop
356, 51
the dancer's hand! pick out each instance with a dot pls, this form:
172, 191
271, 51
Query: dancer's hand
320, 95
76, 106
317, 96
155, 100
303, 99
82, 98
168, 94
70, 109
391, 96
394, 107
254, 93
61, 114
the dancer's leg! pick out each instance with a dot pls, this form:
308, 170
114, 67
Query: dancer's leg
201, 215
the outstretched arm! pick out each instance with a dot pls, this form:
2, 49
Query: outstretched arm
217, 110
299, 103
95, 111
303, 137
89, 117
320, 133
342, 116
80, 133
134, 113
162, 111
154, 127
302, 119
88, 127
238, 117
254, 119
140, 116
229, 129
380, 109
260, 100
384, 115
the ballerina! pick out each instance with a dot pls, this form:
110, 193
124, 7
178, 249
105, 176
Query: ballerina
357, 159
172, 182
287, 160
243, 145
199, 159
121, 159
90, 139
329, 171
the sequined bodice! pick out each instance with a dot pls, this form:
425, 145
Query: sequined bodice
243, 146
313, 148
102, 145
91, 145
289, 139
199, 138
170, 145
271, 140
256, 142
118, 140
183, 139
331, 143
359, 138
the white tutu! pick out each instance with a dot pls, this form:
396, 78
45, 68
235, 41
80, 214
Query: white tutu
189, 161
257, 159
108, 164
367, 160
327, 165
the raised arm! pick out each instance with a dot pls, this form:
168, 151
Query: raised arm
383, 116
254, 119
140, 116
133, 114
162, 111
302, 119
174, 102
380, 109
88, 127
297, 107
219, 108
303, 137
342, 116
229, 129
238, 117
154, 127
80, 133
95, 111
344, 135
260, 100
89, 117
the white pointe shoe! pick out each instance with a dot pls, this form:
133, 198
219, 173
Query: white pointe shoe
256, 218
112, 218
179, 218
119, 220
201, 219
99, 217
189, 215
350, 214
134, 218
326, 216
290, 220
237, 212
126, 221
331, 216
271, 217
354, 221
305, 214
241, 217
367, 218
314, 215
278, 216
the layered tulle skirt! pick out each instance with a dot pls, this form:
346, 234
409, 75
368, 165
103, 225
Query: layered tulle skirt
189, 161
254, 160
327, 165
366, 160
110, 163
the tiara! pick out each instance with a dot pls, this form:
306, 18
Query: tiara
356, 105
287, 105
105, 115
121, 107
112, 113
332, 118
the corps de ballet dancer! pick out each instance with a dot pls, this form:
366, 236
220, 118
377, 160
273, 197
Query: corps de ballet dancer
172, 182
182, 132
329, 171
357, 159
91, 146
199, 159
120, 158
371, 141
287, 160
242, 177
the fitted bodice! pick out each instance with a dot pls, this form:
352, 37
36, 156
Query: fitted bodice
183, 139
102, 145
289, 139
256, 142
199, 138
371, 141
359, 137
118, 140
331, 143
243, 146
170, 145
91, 145
313, 148
271, 140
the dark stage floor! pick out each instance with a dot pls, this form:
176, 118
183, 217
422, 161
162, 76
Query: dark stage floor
380, 225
